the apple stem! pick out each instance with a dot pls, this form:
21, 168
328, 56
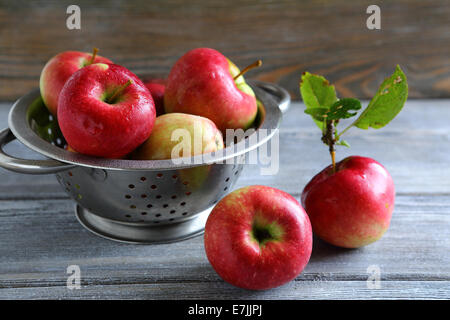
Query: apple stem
119, 91
255, 64
333, 160
94, 55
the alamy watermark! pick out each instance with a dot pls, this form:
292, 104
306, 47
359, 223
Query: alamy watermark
373, 22
250, 146
73, 22
74, 279
374, 279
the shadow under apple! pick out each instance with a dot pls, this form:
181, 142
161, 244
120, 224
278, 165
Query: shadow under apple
323, 250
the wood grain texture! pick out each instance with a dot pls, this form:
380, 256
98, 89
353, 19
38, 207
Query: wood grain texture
326, 37
295, 290
415, 248
40, 236
413, 147
413, 258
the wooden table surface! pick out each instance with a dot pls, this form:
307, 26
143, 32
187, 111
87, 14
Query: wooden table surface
40, 236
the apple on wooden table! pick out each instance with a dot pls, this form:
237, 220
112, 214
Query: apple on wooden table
104, 110
350, 203
352, 206
258, 237
59, 69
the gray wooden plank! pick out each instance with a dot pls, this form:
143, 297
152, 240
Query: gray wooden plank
413, 147
320, 290
41, 238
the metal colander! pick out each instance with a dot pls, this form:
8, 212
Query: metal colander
135, 201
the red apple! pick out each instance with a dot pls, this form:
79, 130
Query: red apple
352, 207
105, 111
160, 146
258, 237
157, 88
58, 70
202, 83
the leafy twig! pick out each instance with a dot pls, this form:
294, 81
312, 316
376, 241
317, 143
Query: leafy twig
326, 109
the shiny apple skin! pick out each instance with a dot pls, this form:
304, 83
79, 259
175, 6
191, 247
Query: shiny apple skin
201, 83
94, 127
241, 260
58, 70
352, 207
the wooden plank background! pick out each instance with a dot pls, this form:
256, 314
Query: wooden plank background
327, 37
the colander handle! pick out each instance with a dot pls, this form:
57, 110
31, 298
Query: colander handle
27, 166
280, 94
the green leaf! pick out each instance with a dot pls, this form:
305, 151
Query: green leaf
340, 109
386, 104
344, 143
317, 92
317, 113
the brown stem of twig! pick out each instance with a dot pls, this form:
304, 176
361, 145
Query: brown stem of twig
329, 139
